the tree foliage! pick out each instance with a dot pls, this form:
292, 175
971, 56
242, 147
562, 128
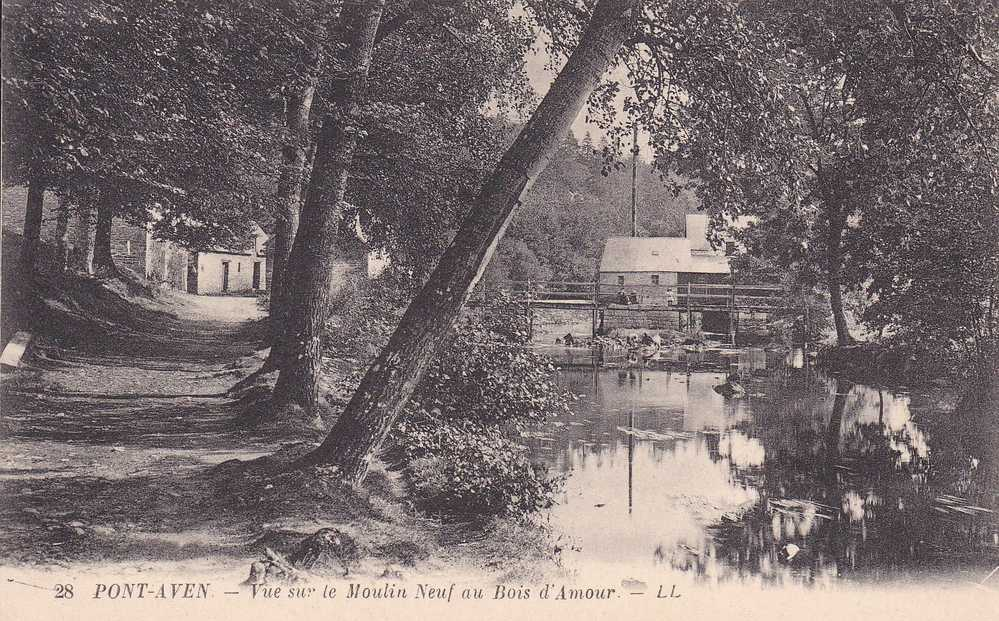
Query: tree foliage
131, 101
859, 136
428, 144
559, 231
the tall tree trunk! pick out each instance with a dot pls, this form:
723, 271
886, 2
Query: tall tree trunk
391, 380
834, 267
103, 261
62, 233
310, 161
307, 295
83, 251
32, 226
289, 193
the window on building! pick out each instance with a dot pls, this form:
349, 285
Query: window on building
239, 267
620, 280
655, 279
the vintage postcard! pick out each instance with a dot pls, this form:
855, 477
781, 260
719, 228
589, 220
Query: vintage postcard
499, 309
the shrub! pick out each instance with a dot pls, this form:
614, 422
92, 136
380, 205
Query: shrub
457, 438
473, 470
489, 374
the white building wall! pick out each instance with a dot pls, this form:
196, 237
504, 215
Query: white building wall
211, 269
609, 280
697, 231
640, 283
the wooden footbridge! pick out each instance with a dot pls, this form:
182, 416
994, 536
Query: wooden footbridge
692, 297
684, 299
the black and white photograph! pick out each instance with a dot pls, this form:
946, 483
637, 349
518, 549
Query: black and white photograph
500, 309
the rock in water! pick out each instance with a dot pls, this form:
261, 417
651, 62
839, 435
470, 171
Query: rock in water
323, 546
789, 551
730, 389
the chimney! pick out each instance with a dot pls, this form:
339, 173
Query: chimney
697, 231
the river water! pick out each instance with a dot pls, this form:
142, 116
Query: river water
805, 479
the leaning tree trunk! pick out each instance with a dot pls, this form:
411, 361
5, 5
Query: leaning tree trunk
391, 380
32, 226
834, 267
83, 251
307, 287
103, 262
62, 233
289, 193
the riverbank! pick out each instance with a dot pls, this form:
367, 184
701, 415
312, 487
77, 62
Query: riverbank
121, 452
874, 362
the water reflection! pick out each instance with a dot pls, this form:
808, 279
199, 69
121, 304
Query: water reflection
805, 479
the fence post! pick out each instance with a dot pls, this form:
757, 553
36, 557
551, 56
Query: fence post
731, 315
596, 286
690, 312
530, 313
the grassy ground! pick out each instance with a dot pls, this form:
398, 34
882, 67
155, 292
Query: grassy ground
121, 447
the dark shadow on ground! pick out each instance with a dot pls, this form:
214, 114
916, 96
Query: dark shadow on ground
120, 443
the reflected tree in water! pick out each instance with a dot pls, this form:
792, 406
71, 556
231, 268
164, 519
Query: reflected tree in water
845, 491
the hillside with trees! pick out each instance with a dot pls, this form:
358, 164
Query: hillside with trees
578, 202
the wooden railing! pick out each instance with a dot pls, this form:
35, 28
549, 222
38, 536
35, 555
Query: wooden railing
548, 291
678, 297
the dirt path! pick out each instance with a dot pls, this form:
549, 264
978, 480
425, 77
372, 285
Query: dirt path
108, 465
81, 423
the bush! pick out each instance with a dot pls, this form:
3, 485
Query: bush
473, 470
488, 373
457, 439
458, 431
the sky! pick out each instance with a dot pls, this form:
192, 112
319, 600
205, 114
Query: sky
541, 78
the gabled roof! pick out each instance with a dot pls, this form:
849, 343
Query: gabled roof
256, 231
659, 254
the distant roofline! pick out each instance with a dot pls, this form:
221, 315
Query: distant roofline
643, 255
636, 271
235, 254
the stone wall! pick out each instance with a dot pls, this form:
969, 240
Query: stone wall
639, 319
547, 324
128, 246
131, 245
14, 202
550, 323
636, 318
753, 323
166, 263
